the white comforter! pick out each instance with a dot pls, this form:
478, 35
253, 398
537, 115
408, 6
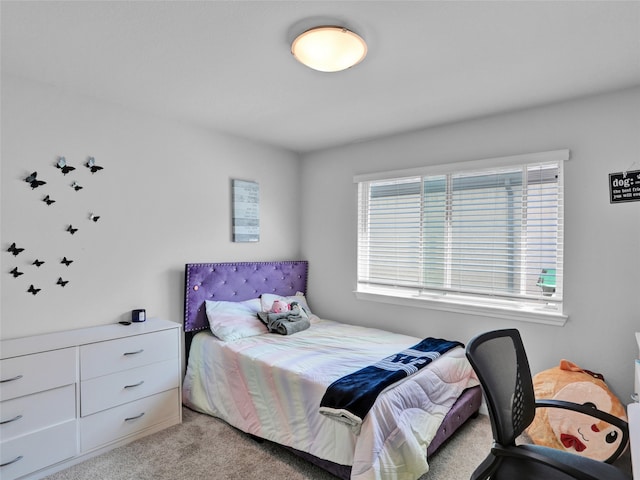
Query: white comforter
271, 386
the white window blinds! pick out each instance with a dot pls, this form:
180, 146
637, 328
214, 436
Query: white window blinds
481, 232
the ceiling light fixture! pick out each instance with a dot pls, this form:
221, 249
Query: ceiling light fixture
329, 49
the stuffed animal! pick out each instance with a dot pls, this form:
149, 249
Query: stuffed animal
279, 306
569, 430
298, 309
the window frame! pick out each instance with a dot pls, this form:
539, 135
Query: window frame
460, 303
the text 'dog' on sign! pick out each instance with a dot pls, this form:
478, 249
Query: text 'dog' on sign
624, 186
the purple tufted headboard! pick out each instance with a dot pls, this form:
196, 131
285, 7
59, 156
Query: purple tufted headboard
237, 282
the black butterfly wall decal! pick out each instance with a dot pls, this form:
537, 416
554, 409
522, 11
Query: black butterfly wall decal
15, 250
15, 272
48, 200
37, 262
91, 165
61, 282
33, 290
71, 230
66, 261
93, 217
76, 187
33, 181
62, 165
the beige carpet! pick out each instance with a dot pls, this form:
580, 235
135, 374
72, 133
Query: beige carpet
207, 448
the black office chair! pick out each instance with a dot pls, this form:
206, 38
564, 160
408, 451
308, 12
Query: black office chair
501, 364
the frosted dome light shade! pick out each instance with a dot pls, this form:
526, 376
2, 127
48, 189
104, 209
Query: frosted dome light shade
329, 49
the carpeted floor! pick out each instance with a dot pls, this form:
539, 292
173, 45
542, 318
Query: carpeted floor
207, 448
203, 447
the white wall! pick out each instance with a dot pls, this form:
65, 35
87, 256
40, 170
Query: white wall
163, 198
602, 253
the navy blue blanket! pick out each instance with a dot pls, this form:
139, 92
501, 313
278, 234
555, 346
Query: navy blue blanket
350, 398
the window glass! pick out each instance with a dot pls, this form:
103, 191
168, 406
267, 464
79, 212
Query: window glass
483, 233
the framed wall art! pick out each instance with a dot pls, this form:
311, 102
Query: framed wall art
245, 211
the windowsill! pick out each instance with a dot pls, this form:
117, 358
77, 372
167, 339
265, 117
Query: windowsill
469, 307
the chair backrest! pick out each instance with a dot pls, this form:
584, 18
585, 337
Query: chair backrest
501, 363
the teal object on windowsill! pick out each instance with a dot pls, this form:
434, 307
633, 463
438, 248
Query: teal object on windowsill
547, 281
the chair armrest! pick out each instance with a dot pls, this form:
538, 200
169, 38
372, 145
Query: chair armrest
595, 413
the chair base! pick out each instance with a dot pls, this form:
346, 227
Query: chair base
519, 462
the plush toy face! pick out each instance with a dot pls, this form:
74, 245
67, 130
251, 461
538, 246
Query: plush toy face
279, 306
569, 430
580, 433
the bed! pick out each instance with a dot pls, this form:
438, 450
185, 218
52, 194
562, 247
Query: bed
270, 386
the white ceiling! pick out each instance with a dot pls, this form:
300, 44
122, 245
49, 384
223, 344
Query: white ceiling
226, 65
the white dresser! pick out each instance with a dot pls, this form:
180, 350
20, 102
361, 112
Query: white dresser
67, 396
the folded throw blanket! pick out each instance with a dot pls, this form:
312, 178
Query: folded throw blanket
350, 398
286, 323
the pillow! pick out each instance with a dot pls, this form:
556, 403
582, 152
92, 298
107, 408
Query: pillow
234, 320
267, 299
567, 430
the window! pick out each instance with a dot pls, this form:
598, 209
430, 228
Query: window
484, 234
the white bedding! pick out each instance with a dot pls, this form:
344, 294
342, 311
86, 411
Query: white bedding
271, 386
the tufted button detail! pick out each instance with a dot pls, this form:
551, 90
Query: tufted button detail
195, 288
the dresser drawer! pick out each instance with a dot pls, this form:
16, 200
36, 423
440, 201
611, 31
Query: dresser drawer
29, 453
103, 358
28, 414
121, 387
116, 423
37, 372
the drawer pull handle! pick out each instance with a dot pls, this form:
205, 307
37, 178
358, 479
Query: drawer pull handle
134, 418
17, 417
134, 353
19, 457
135, 385
17, 377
